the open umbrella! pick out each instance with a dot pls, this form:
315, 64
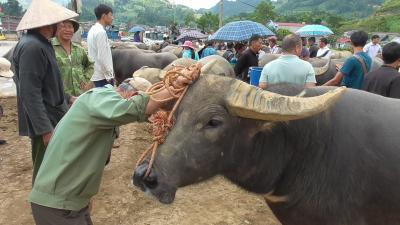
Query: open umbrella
191, 35
314, 31
136, 29
240, 31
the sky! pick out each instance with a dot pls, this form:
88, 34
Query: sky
197, 4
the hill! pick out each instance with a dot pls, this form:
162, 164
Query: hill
232, 8
143, 12
26, 3
385, 19
355, 9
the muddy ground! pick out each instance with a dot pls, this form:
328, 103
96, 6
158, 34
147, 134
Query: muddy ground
216, 202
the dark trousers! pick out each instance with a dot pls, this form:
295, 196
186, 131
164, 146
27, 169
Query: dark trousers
50, 216
38, 150
102, 83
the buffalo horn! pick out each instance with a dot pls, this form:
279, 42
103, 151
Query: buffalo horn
322, 70
247, 101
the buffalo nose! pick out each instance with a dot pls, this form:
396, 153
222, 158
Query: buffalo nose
143, 182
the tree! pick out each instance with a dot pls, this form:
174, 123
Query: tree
264, 12
208, 22
190, 19
281, 33
12, 8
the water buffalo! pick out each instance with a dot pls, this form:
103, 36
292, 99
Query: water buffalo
9, 54
211, 65
127, 61
181, 62
218, 65
176, 50
324, 156
341, 54
153, 75
324, 69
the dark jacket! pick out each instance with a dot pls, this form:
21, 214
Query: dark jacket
313, 50
40, 92
384, 81
247, 60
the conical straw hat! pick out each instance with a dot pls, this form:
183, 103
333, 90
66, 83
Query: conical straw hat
42, 13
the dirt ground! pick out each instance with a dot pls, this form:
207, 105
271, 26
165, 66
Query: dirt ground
216, 202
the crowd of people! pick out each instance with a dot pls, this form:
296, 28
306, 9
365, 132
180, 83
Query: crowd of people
51, 72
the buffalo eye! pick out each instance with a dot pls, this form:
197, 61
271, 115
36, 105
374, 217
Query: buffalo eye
213, 123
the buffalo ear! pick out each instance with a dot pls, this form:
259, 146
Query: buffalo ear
261, 127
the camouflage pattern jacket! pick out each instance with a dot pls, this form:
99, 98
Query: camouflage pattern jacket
75, 71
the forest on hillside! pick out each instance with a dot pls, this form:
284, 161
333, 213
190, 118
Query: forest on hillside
353, 9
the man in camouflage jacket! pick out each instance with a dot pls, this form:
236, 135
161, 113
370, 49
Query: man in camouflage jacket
75, 66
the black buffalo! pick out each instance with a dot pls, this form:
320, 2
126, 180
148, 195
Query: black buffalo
325, 157
127, 61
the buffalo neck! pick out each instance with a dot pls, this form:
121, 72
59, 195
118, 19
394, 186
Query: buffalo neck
273, 159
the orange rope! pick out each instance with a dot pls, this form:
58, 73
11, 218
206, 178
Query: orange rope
162, 121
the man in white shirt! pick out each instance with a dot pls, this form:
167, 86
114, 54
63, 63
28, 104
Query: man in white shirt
374, 49
324, 52
273, 46
99, 49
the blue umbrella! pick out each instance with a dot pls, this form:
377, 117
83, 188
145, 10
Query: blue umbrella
136, 29
314, 30
240, 31
191, 35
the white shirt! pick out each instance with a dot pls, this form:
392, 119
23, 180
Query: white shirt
275, 50
261, 53
322, 51
99, 51
372, 50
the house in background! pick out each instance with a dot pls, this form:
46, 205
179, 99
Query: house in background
292, 27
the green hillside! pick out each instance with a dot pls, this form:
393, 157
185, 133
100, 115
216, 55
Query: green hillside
386, 19
355, 8
234, 8
146, 12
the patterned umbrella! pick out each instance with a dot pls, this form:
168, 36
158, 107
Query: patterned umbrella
136, 29
240, 31
314, 31
191, 35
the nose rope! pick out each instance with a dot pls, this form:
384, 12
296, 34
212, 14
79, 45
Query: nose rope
163, 121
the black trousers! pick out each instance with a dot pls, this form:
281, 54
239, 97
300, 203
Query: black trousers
50, 216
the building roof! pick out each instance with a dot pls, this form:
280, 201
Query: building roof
344, 40
290, 24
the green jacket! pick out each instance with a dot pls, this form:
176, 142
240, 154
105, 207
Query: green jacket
76, 71
74, 161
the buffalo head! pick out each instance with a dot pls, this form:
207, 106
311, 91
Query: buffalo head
215, 128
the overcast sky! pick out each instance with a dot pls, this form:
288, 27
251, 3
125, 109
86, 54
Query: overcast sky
197, 4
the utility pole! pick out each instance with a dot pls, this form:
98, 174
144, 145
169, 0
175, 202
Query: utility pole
221, 13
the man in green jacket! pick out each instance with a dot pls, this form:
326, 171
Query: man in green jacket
73, 165
75, 66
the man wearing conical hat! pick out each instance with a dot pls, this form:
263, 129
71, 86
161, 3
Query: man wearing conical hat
40, 92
